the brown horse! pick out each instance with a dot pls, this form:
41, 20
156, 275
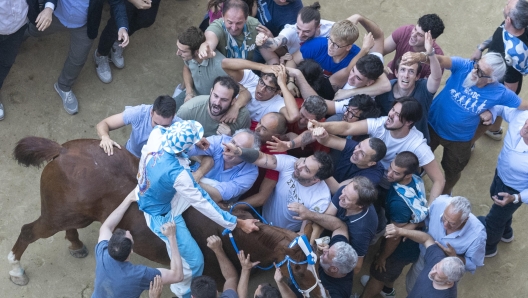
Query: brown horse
81, 184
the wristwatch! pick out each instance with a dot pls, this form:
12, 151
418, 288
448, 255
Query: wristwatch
516, 196
432, 53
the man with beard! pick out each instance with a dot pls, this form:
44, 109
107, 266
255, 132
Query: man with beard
233, 35
300, 181
397, 132
472, 88
406, 206
265, 90
209, 110
410, 84
441, 274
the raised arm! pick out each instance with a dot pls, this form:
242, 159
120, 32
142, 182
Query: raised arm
301, 83
103, 131
432, 170
393, 231
207, 48
433, 81
228, 270
412, 58
327, 221
380, 86
253, 156
331, 141
111, 222
246, 265
235, 67
175, 273
370, 27
343, 128
188, 82
339, 79
290, 109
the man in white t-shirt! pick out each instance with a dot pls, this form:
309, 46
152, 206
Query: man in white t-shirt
397, 131
265, 90
300, 181
308, 26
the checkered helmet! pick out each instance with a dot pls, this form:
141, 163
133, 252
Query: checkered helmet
180, 136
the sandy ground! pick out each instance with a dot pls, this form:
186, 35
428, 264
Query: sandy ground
152, 69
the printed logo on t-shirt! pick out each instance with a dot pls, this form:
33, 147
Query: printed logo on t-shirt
293, 194
469, 100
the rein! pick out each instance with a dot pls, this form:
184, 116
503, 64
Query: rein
304, 244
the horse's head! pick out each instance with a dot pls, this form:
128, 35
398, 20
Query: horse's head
304, 278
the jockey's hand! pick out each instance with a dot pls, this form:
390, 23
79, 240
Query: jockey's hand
203, 144
392, 231
108, 145
245, 262
214, 242
156, 287
169, 230
247, 225
300, 209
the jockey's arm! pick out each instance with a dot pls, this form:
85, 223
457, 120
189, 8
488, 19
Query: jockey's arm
103, 131
111, 222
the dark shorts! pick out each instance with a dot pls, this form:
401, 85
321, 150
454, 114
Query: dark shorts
456, 154
394, 268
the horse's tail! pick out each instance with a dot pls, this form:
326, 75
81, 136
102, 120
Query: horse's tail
33, 151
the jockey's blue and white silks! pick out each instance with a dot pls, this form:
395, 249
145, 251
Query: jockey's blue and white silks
515, 52
165, 190
415, 200
180, 136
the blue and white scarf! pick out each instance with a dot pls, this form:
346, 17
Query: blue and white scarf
415, 199
233, 50
515, 52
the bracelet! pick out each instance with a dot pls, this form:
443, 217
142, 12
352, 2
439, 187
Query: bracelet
479, 48
516, 196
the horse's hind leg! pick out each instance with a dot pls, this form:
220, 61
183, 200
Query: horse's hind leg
77, 248
28, 234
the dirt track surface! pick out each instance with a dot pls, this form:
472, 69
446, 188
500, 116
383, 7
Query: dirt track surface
152, 69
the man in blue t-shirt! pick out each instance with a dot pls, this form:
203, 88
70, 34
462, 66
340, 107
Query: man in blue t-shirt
115, 276
440, 275
405, 203
143, 118
472, 88
274, 14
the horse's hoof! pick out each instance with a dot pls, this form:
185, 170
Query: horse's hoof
79, 253
20, 280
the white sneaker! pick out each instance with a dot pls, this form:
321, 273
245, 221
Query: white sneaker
1, 111
365, 278
69, 100
116, 55
102, 67
177, 91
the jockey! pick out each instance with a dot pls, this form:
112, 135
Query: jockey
166, 188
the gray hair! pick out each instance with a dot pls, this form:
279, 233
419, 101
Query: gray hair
256, 139
497, 64
453, 268
315, 104
461, 204
519, 15
345, 257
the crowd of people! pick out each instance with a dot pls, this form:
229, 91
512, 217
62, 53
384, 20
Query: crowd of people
282, 110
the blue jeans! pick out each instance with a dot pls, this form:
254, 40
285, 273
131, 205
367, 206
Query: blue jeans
499, 219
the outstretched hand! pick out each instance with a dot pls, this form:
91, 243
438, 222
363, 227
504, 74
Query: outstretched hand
428, 42
169, 229
278, 145
300, 209
108, 144
214, 242
245, 262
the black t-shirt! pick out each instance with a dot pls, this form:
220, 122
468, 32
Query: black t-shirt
423, 288
345, 169
497, 45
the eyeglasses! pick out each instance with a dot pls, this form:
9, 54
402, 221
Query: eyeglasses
349, 113
268, 88
480, 73
335, 45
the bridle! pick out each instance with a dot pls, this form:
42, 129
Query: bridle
304, 244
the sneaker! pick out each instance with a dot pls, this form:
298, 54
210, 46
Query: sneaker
116, 55
496, 135
507, 240
492, 254
69, 101
365, 278
177, 91
472, 147
1, 111
102, 67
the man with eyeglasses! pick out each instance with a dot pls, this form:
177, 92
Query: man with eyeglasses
472, 88
265, 90
456, 231
411, 38
209, 110
410, 84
